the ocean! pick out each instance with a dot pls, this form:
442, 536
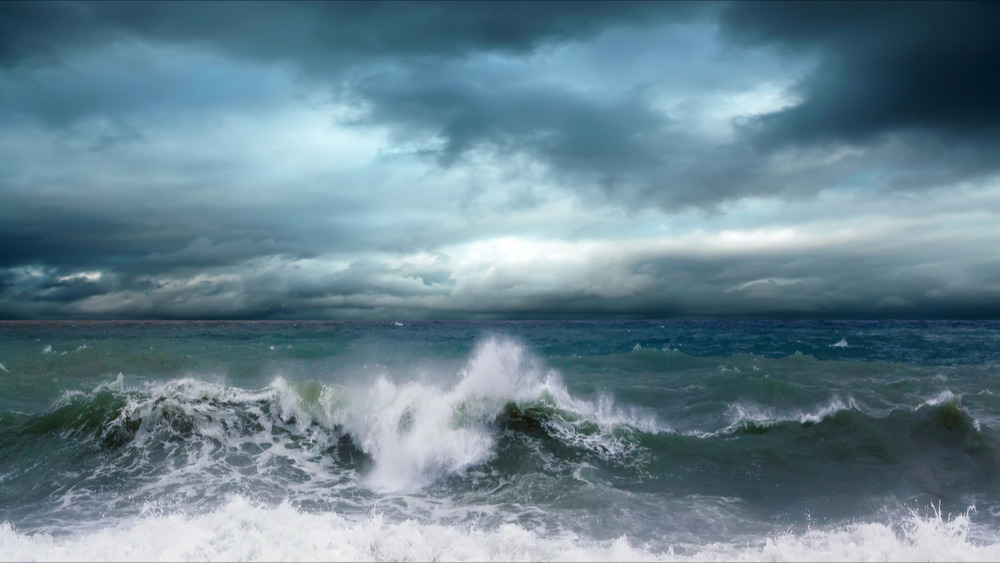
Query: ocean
500, 440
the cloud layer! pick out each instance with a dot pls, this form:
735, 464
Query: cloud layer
498, 160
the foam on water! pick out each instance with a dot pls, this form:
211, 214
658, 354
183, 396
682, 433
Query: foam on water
242, 531
932, 538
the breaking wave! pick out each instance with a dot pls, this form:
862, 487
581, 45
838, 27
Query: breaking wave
408, 433
243, 531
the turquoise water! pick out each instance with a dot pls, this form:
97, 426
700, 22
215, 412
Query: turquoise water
505, 440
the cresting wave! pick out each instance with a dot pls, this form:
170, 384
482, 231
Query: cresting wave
242, 531
411, 433
407, 434
754, 418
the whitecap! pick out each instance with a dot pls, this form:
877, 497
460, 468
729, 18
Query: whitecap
943, 397
242, 531
742, 414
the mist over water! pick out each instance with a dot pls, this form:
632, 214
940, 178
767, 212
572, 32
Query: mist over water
459, 440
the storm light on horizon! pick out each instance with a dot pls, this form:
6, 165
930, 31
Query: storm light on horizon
499, 160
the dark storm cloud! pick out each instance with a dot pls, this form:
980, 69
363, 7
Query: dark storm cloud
58, 234
835, 284
38, 32
618, 148
202, 252
69, 289
42, 46
607, 140
72, 239
873, 281
885, 67
608, 144
318, 35
912, 84
161, 231
901, 96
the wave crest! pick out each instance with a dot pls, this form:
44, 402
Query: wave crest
412, 432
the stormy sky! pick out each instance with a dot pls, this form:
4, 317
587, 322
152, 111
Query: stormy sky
499, 160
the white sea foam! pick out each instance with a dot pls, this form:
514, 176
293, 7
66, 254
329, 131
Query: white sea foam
241, 531
4, 369
840, 344
47, 349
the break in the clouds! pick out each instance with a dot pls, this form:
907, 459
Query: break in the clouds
499, 160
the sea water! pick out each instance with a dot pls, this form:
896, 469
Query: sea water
630, 440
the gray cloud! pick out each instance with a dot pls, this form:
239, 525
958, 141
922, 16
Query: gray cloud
910, 84
885, 68
608, 142
605, 143
828, 280
319, 36
160, 160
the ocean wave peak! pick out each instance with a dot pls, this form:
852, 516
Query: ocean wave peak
944, 397
749, 415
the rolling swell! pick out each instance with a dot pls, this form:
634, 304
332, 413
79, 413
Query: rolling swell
78, 416
835, 462
936, 450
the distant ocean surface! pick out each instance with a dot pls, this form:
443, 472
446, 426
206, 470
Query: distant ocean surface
611, 440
